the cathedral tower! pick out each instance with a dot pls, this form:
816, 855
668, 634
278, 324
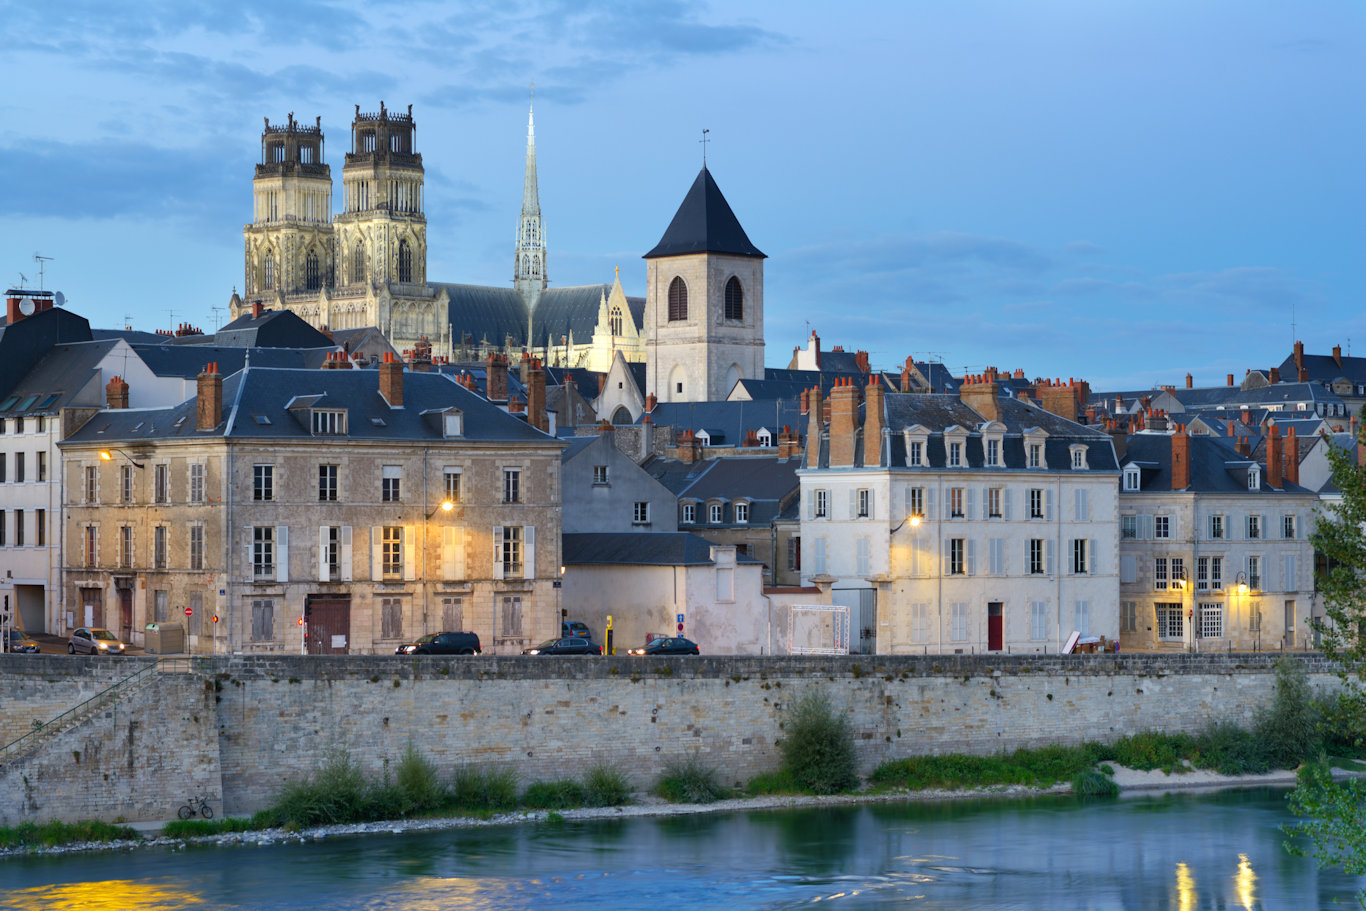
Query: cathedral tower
704, 301
529, 260
289, 243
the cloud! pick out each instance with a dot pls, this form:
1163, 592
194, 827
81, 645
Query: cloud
1267, 288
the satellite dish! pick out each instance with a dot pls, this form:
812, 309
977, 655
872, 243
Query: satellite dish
58, 299
27, 306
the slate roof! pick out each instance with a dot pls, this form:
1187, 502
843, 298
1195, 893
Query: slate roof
1235, 397
272, 329
24, 343
188, 361
637, 549
767, 483
128, 335
485, 314
731, 420
1215, 466
1322, 368
256, 400
704, 223
64, 371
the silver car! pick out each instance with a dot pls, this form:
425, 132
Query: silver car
95, 641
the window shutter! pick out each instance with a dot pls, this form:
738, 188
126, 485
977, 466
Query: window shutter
1092, 557
1128, 569
251, 557
970, 503
1048, 556
908, 500
853, 503
929, 502
1145, 531
448, 554
1048, 504
346, 553
1174, 527
1005, 503
376, 553
498, 552
971, 544
409, 554
322, 554
1085, 505
281, 553
948, 551
872, 503
1289, 583
529, 558
810, 504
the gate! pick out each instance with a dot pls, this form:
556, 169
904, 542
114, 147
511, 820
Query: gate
327, 624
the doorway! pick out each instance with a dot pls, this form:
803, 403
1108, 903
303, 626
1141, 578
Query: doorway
327, 624
995, 626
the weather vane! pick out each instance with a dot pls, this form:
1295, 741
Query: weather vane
704, 142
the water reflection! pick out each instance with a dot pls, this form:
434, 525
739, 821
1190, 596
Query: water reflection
107, 895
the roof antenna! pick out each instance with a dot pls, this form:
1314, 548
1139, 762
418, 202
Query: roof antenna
704, 142
42, 262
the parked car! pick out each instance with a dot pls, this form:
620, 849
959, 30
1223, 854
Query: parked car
442, 644
16, 640
669, 645
95, 641
575, 628
568, 645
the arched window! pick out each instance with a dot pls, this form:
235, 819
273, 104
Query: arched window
268, 281
405, 262
735, 299
616, 321
358, 263
678, 300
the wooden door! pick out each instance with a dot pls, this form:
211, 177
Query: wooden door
995, 626
327, 624
125, 614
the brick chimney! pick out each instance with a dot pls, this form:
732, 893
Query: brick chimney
872, 425
524, 372
906, 376
843, 423
1190, 381
497, 383
815, 426
422, 356
1058, 398
1273, 457
1229, 381
391, 380
116, 393
1181, 458
209, 398
1273, 375
257, 308
1299, 362
535, 397
1337, 355
979, 393
806, 401
687, 447
1243, 446
650, 402
1292, 457
861, 358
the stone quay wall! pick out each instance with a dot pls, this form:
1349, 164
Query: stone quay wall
238, 727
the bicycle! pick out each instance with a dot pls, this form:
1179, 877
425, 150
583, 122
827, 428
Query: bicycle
198, 806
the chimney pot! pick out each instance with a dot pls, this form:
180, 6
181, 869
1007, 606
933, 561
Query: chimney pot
116, 393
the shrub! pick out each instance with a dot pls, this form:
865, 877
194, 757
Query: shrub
690, 781
1230, 750
1148, 750
335, 793
416, 788
560, 794
604, 786
484, 790
819, 747
1094, 783
1289, 728
779, 782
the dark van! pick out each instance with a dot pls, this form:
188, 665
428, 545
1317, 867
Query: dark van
442, 644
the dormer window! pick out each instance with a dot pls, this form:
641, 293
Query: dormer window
1036, 455
915, 453
328, 422
765, 438
453, 424
1131, 478
993, 450
916, 438
955, 454
1078, 452
1254, 478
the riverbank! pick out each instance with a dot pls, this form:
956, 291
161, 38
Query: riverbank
1130, 781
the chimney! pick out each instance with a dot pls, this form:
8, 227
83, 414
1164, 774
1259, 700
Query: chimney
979, 393
496, 384
209, 398
1273, 457
1059, 399
525, 370
650, 402
1292, 458
1337, 355
1190, 381
815, 426
861, 358
1119, 437
843, 423
535, 397
422, 356
1181, 459
687, 447
1230, 380
116, 392
1090, 414
872, 426
806, 400
1246, 417
1299, 356
257, 308
815, 346
391, 380
1243, 447
906, 376
1274, 375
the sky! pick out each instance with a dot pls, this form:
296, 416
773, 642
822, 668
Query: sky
1123, 191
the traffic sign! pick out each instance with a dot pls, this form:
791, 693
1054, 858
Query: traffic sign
680, 627
680, 618
189, 611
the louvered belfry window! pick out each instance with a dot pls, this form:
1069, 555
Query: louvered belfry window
735, 300
678, 300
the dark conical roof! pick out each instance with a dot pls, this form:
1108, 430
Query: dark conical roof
704, 223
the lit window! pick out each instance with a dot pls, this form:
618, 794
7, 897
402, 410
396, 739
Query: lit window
391, 551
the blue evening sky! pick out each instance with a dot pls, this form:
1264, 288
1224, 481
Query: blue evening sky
1121, 191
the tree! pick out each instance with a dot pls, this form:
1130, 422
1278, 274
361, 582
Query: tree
1333, 812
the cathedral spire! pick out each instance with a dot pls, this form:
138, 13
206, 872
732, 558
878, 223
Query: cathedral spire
529, 258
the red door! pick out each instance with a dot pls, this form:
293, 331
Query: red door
327, 620
995, 628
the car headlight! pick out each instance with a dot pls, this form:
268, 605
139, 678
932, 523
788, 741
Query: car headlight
101, 646
534, 651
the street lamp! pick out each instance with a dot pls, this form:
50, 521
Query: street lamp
107, 455
445, 506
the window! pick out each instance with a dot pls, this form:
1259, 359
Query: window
958, 631
1216, 527
1202, 574
327, 483
358, 263
735, 300
994, 453
741, 513
997, 556
125, 545
1290, 580
263, 552
917, 501
1254, 527
994, 503
689, 513
2, 463
40, 458
1038, 620
510, 617
161, 483
391, 552
450, 479
331, 556
269, 269
794, 553
18, 528
1211, 620
1037, 547
125, 483
957, 556
40, 528
329, 422
391, 483
1254, 573
678, 300
955, 455
18, 468
197, 483
1161, 526
1131, 479
512, 552
1216, 573
1128, 527
864, 499
453, 613
1128, 616
262, 620
714, 513
312, 274
1254, 478
1171, 624
391, 618
1160, 573
1035, 455
920, 622
3, 541
196, 547
263, 482
1036, 501
640, 513
1287, 526
512, 485
599, 474
405, 261
914, 453
1079, 561
161, 610
1081, 505
1178, 568
956, 503
822, 505
159, 547
91, 540
1078, 458
615, 322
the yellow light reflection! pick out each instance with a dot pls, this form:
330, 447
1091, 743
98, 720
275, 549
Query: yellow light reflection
1185, 888
111, 895
1245, 881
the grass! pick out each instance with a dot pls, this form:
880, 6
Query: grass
560, 794
53, 833
1036, 768
199, 828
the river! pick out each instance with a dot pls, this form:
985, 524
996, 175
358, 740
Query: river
1173, 851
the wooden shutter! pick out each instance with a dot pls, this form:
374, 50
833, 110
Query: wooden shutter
346, 553
929, 502
409, 554
448, 553
1048, 556
376, 553
323, 574
281, 553
498, 552
1005, 503
529, 558
970, 545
